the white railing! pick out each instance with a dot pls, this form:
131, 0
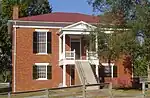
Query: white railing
92, 55
70, 55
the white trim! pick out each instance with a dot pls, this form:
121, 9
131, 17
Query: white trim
81, 22
21, 26
42, 30
76, 32
112, 71
41, 64
97, 71
42, 78
106, 64
64, 46
41, 53
64, 76
60, 48
27, 21
46, 42
96, 43
14, 59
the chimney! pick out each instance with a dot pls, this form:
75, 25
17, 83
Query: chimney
15, 12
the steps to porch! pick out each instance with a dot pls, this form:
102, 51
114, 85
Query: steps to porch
85, 73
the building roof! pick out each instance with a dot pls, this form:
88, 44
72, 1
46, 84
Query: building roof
62, 17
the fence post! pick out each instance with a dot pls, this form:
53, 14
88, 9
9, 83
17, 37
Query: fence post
143, 89
47, 93
9, 95
84, 88
110, 90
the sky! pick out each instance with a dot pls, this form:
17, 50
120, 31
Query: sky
79, 6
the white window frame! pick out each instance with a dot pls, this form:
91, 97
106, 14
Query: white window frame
112, 65
42, 64
43, 31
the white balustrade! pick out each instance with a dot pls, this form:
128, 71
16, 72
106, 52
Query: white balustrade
92, 55
70, 55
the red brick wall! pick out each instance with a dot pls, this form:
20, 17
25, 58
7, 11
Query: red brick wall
25, 59
124, 72
68, 47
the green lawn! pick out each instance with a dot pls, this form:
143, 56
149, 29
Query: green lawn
98, 94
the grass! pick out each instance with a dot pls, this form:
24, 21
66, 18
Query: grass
22, 95
71, 92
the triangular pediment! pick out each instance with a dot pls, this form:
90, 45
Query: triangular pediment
80, 26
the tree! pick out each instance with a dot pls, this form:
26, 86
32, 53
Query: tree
26, 7
141, 23
5, 51
39, 7
135, 15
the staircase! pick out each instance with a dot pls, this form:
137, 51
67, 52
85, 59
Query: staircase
85, 73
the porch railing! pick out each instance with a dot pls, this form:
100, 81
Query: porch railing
70, 55
92, 55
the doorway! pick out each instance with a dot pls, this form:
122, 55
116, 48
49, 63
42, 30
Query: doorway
76, 44
72, 75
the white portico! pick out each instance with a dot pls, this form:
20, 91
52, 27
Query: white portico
72, 40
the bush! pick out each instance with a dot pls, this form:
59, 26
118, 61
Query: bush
122, 82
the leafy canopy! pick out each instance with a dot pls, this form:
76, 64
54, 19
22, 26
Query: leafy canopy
135, 15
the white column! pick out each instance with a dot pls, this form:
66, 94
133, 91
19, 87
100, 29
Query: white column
96, 43
112, 71
64, 75
64, 42
97, 72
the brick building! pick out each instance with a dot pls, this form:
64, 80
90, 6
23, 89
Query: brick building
50, 51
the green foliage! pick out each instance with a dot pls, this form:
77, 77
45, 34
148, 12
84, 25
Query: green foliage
140, 67
38, 7
5, 50
26, 7
120, 7
135, 41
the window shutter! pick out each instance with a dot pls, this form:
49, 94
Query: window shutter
34, 72
49, 72
49, 39
115, 71
35, 42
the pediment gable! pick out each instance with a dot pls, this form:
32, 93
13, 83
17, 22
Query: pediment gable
80, 26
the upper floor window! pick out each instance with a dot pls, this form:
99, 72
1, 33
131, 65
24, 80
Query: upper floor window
41, 42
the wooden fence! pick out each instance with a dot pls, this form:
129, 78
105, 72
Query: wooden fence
82, 91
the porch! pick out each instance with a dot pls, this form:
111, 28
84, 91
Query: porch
73, 48
73, 42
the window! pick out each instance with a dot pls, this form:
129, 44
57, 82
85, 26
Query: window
42, 71
41, 42
107, 71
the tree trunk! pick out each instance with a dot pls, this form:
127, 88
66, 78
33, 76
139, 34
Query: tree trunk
4, 76
109, 64
148, 71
